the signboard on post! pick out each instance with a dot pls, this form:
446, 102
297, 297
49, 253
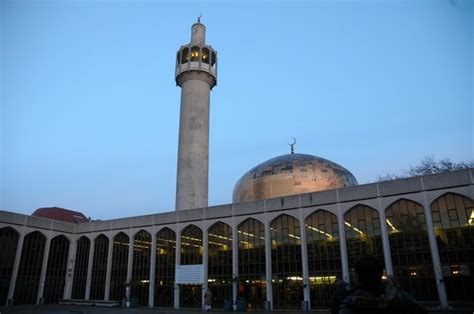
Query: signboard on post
190, 274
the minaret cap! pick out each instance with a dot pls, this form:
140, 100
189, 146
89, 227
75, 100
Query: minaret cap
198, 32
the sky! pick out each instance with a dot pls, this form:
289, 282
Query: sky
90, 108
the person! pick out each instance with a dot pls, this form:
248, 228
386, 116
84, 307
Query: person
207, 300
372, 295
341, 290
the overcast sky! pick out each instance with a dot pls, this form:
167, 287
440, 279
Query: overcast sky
90, 107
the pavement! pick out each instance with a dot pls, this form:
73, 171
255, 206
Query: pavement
82, 309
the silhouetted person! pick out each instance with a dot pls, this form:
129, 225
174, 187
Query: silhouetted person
341, 291
371, 295
208, 300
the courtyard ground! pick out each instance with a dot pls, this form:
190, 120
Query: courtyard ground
74, 309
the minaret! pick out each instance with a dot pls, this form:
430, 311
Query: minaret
196, 74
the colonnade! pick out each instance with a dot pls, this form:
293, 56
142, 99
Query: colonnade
266, 218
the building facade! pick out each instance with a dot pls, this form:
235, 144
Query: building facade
274, 253
271, 250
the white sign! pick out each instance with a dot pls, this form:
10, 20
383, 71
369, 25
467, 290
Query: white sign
190, 274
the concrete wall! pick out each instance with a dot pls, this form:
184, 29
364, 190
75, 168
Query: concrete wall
388, 190
423, 190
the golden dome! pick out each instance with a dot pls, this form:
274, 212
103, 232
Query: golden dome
291, 174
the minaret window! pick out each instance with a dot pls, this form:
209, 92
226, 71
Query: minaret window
195, 53
205, 55
185, 55
213, 58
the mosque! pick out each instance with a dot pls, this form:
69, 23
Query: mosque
296, 226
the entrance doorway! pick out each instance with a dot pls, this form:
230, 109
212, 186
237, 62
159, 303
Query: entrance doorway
254, 292
190, 296
287, 294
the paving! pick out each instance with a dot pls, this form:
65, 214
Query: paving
74, 309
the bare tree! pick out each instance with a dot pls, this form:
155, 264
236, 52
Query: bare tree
428, 165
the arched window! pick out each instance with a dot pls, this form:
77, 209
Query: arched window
165, 267
220, 263
191, 253
8, 243
213, 58
141, 266
29, 271
195, 53
191, 246
453, 219
363, 235
287, 274
80, 268
252, 281
118, 276
324, 256
410, 249
99, 267
185, 55
205, 55
56, 269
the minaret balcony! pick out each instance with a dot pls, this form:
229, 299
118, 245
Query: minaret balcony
196, 66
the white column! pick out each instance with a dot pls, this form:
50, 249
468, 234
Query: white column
268, 264
304, 260
89, 270
443, 299
16, 265
151, 291
177, 262
130, 266
342, 243
44, 267
108, 273
205, 260
235, 262
70, 269
385, 241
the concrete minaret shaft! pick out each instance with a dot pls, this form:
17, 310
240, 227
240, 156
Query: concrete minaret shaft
196, 74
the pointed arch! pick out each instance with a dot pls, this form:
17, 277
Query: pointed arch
184, 55
289, 215
99, 267
191, 245
451, 210
287, 271
118, 274
453, 220
36, 232
205, 55
56, 269
195, 53
220, 262
166, 233
165, 267
142, 233
101, 235
249, 219
363, 234
9, 230
251, 237
8, 242
324, 255
410, 249
213, 58
122, 236
81, 267
141, 266
29, 271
